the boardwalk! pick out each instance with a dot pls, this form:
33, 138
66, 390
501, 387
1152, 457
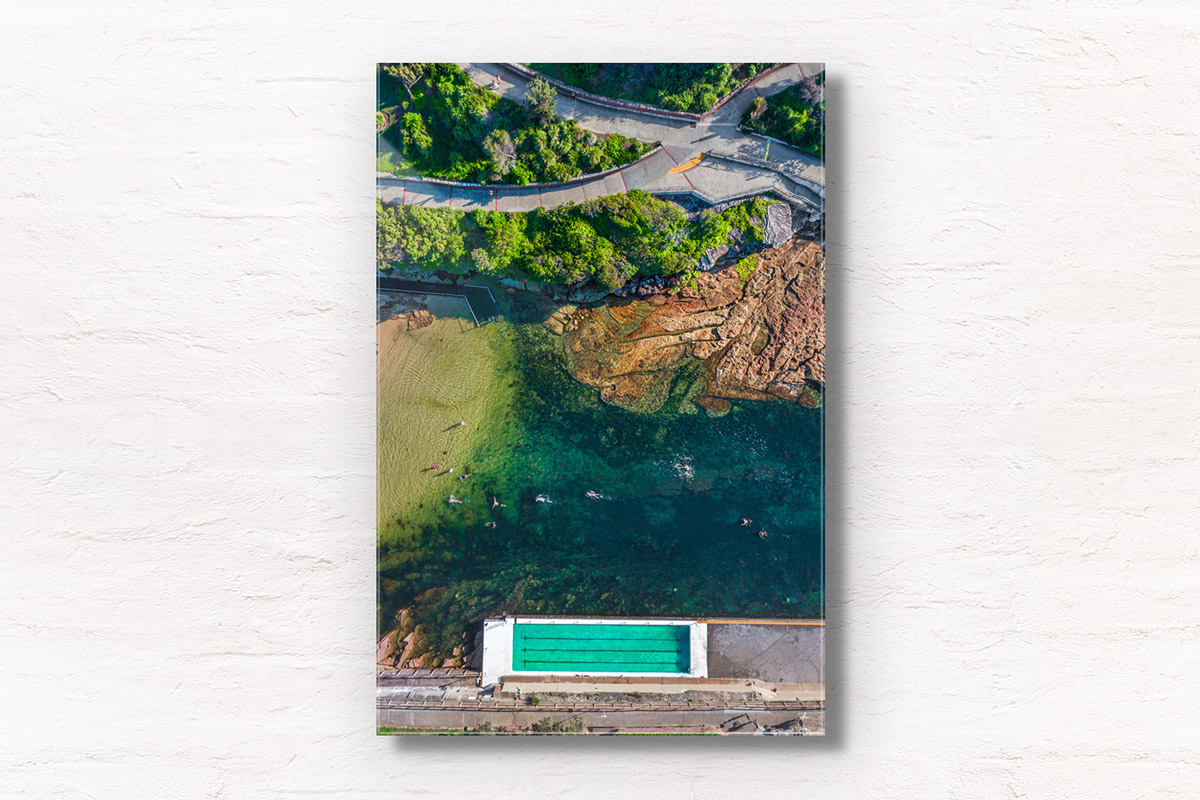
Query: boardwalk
479, 299
747, 164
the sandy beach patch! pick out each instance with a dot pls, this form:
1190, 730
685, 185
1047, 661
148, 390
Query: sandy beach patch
430, 381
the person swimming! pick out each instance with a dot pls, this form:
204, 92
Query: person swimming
762, 534
745, 521
495, 502
541, 498
489, 524
454, 500
591, 494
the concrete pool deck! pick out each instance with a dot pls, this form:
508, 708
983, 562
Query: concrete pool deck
779, 653
777, 659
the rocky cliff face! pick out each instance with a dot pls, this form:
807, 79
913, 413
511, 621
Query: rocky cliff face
763, 339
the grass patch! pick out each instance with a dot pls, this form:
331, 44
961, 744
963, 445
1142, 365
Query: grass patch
796, 115
678, 87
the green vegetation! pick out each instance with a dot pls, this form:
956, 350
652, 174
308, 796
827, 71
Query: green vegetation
609, 239
542, 103
384, 730
679, 87
384, 163
796, 115
746, 267
546, 725
535, 700
448, 127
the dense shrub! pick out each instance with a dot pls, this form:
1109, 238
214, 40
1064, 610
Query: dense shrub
453, 129
417, 141
609, 239
796, 115
429, 238
679, 87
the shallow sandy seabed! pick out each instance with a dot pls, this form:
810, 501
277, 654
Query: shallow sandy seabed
430, 380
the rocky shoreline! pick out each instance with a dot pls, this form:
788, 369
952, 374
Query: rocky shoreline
759, 333
405, 647
404, 306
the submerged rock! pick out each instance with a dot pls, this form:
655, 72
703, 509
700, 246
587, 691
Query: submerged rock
715, 406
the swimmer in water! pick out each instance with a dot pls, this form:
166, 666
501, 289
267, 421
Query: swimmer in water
489, 524
745, 521
591, 494
762, 534
541, 498
454, 500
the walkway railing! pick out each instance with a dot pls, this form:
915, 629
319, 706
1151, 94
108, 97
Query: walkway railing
575, 93
590, 177
750, 161
480, 301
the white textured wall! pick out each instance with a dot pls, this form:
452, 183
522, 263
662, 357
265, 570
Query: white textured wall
186, 401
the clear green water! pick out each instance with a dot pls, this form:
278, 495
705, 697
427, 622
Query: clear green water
601, 648
664, 540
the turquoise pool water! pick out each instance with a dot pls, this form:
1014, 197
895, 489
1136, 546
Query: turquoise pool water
600, 648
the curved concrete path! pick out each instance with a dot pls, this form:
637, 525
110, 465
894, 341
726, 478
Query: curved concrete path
775, 166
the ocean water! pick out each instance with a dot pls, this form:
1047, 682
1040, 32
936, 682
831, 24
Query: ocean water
662, 537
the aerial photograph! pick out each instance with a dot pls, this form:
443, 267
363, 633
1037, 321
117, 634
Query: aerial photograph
601, 387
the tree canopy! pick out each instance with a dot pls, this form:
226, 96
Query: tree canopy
454, 129
609, 239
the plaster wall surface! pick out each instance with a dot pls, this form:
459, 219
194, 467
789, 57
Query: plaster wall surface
187, 401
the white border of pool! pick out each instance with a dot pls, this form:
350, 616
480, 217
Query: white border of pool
498, 647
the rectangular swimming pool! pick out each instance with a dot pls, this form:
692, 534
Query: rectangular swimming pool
589, 648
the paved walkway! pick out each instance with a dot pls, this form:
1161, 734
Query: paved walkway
451, 718
767, 165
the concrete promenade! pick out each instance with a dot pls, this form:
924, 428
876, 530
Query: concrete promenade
622, 718
746, 164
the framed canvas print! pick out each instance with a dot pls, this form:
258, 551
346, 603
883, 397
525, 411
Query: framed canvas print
601, 379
